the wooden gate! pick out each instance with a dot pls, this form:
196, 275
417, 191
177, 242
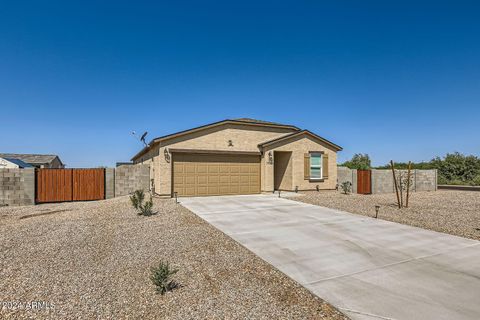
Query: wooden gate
58, 185
364, 181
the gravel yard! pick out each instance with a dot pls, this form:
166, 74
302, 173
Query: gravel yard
448, 211
93, 259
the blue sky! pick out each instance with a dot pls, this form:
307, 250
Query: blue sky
395, 80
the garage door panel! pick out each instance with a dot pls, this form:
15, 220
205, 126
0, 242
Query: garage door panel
244, 189
213, 190
254, 180
202, 179
244, 169
224, 179
189, 168
213, 168
255, 170
213, 180
224, 168
244, 179
234, 189
179, 169
203, 175
188, 179
202, 168
189, 191
202, 190
224, 190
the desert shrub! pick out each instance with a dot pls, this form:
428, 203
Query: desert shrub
162, 277
346, 187
145, 209
137, 198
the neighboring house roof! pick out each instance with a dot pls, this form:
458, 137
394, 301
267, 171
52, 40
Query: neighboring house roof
247, 121
31, 158
18, 162
299, 133
118, 164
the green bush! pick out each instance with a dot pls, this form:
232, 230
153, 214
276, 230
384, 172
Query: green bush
358, 161
162, 277
346, 187
145, 209
456, 168
476, 181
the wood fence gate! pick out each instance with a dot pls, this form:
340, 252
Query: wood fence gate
58, 185
364, 181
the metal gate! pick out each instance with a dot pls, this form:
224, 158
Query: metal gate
364, 181
58, 185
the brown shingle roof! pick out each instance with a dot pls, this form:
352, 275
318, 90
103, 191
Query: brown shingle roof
30, 158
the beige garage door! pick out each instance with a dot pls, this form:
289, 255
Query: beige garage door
209, 175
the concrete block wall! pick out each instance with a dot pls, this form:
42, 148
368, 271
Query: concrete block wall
17, 187
130, 178
109, 183
423, 180
345, 174
382, 180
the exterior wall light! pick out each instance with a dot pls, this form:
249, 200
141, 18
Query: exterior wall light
270, 157
296, 189
230, 143
167, 155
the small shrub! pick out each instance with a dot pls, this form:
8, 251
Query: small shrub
137, 198
162, 277
145, 209
346, 187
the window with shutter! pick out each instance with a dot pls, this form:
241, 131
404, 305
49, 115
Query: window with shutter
316, 166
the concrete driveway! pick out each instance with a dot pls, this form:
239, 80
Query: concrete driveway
368, 268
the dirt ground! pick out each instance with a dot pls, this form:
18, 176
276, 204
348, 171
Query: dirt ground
448, 211
92, 260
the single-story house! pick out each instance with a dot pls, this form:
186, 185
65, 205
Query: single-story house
36, 160
240, 156
12, 163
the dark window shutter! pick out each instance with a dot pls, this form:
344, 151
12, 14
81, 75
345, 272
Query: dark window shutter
306, 166
325, 166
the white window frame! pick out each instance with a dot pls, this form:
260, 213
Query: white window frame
320, 166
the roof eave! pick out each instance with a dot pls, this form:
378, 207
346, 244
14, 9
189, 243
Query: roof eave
268, 143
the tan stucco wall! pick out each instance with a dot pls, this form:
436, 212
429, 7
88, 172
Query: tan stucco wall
245, 138
299, 147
